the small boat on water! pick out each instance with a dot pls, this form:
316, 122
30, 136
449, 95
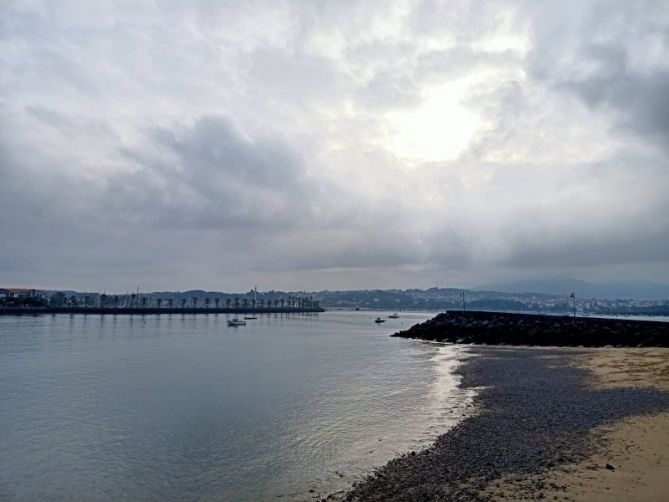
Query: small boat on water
236, 322
378, 320
249, 317
394, 316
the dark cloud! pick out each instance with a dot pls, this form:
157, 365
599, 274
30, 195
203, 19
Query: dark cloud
643, 100
210, 175
612, 55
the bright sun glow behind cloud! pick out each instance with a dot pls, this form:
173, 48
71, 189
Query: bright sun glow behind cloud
299, 142
440, 128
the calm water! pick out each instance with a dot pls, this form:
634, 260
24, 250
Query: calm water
186, 408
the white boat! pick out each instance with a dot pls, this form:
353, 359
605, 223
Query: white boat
236, 322
378, 320
394, 316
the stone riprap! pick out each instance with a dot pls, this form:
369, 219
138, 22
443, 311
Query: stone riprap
501, 328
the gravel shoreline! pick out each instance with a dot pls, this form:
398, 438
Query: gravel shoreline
536, 413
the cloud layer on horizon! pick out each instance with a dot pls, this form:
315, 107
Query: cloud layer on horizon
304, 145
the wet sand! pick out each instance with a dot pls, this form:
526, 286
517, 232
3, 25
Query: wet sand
633, 462
549, 422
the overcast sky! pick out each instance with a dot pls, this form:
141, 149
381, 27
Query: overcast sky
332, 144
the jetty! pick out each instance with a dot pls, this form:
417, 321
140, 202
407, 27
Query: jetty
501, 328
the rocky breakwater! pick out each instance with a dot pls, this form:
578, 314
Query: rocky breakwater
499, 328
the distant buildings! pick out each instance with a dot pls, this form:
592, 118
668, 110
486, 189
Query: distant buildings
22, 293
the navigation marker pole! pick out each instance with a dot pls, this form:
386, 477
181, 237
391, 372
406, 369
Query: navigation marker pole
573, 295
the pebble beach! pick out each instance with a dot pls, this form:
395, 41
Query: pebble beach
549, 425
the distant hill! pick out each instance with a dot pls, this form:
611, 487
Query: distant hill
531, 296
634, 290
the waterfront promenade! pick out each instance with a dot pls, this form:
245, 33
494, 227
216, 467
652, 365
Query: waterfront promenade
156, 310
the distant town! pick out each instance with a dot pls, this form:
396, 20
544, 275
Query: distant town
21, 297
437, 299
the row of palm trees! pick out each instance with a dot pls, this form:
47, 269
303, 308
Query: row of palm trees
134, 301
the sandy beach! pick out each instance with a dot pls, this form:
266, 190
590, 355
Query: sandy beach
633, 462
557, 424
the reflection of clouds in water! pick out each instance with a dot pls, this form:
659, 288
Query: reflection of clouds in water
406, 416
447, 402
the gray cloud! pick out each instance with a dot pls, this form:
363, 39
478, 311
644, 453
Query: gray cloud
210, 175
218, 145
643, 100
612, 55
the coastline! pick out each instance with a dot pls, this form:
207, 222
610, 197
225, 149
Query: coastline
636, 449
542, 424
12, 311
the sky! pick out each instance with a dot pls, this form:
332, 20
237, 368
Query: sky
334, 144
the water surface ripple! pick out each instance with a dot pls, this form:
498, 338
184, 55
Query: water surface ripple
186, 408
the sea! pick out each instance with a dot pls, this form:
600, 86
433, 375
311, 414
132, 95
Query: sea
183, 407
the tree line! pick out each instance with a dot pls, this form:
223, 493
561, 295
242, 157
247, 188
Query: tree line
151, 301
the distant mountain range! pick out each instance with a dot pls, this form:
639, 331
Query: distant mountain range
634, 290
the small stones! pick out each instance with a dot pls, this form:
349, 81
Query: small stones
534, 414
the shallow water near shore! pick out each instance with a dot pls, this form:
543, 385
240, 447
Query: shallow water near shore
185, 407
